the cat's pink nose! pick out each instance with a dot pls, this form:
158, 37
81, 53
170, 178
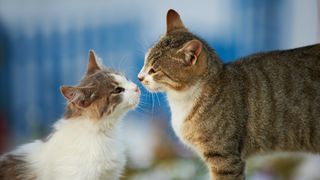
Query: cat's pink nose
136, 89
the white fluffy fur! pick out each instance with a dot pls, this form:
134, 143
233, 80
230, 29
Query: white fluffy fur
78, 149
81, 148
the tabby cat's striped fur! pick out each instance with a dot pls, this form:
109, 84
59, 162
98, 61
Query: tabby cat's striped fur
262, 103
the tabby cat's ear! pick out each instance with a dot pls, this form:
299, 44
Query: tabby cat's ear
78, 96
192, 50
173, 21
92, 64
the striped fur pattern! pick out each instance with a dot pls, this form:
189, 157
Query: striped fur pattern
262, 103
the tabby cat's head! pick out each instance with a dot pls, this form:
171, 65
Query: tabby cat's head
177, 61
102, 92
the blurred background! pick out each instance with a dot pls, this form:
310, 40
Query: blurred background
45, 44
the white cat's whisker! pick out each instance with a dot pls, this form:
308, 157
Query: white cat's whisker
122, 60
143, 110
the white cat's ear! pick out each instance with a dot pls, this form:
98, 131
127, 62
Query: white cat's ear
76, 95
92, 64
192, 50
173, 21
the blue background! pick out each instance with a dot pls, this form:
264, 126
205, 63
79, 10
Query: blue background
44, 45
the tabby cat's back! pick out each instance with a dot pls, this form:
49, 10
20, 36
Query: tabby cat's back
308, 55
282, 96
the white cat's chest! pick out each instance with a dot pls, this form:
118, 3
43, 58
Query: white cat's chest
84, 156
93, 158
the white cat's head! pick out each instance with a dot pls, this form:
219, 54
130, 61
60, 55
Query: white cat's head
101, 93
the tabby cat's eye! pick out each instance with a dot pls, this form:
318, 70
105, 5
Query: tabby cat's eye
118, 90
151, 71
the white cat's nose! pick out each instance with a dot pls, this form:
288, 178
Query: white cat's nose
136, 89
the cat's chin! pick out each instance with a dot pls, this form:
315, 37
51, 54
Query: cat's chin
133, 105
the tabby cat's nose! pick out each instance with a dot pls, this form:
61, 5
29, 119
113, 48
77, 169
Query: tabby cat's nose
140, 77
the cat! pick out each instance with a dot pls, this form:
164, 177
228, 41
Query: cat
262, 103
86, 143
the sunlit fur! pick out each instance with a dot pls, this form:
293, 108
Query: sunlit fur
86, 144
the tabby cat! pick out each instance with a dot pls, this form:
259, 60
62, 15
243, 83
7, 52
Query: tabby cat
262, 103
86, 143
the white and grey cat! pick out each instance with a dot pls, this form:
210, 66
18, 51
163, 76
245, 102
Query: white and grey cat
86, 143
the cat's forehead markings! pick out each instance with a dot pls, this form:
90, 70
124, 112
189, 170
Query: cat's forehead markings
119, 79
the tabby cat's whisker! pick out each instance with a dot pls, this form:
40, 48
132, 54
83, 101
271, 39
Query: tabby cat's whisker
152, 106
158, 99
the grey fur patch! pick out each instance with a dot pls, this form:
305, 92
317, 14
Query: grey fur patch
14, 167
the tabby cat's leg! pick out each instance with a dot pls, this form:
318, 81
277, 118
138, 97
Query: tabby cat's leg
225, 166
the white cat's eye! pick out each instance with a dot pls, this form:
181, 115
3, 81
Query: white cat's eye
118, 90
151, 71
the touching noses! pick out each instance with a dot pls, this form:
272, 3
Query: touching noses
141, 76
